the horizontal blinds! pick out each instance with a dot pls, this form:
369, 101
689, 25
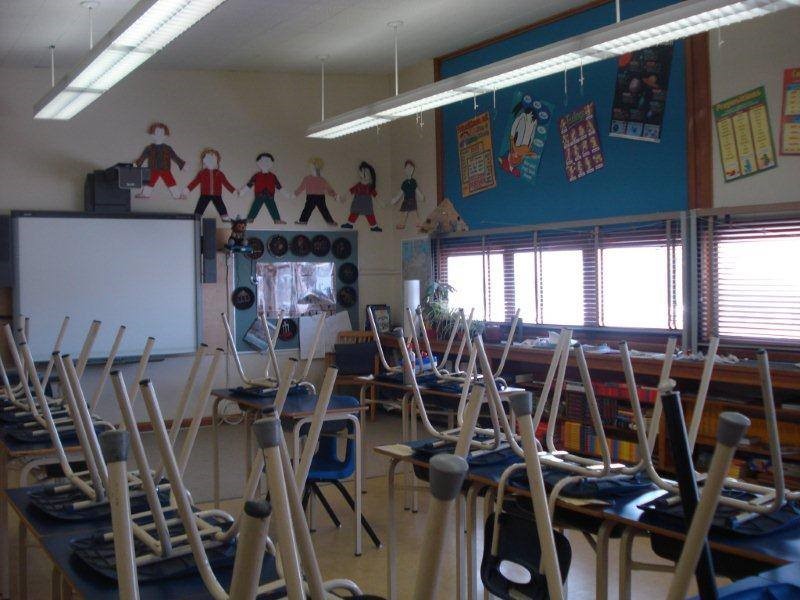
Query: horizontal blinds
749, 282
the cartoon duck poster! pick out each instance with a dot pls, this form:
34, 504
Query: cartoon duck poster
525, 136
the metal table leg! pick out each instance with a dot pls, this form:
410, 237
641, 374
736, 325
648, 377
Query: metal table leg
472, 543
362, 402
22, 563
4, 553
414, 493
358, 480
625, 548
407, 469
215, 448
391, 553
601, 560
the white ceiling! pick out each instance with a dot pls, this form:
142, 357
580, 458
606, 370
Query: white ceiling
279, 35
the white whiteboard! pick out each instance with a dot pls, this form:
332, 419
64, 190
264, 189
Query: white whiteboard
139, 272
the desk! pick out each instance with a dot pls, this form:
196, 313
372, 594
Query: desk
297, 409
70, 574
11, 449
778, 549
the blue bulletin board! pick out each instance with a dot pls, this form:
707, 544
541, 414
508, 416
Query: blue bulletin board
638, 177
242, 273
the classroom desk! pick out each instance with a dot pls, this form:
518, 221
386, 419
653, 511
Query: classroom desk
778, 549
298, 410
787, 574
70, 574
10, 450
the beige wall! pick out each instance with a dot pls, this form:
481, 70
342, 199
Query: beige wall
755, 53
43, 163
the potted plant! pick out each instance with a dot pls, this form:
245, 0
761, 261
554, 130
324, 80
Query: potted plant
439, 317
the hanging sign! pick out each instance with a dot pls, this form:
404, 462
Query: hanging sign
475, 155
640, 95
525, 135
580, 142
744, 135
790, 116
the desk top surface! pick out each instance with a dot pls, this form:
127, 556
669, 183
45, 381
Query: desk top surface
299, 405
41, 525
15, 449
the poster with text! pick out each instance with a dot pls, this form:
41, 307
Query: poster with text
525, 136
475, 155
790, 116
640, 96
580, 142
744, 135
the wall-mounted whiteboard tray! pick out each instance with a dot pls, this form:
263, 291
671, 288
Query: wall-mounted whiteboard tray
141, 270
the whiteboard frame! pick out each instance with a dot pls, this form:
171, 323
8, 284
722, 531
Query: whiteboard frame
18, 214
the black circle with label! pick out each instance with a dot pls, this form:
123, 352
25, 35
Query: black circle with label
342, 248
256, 248
320, 245
243, 298
301, 245
347, 296
348, 273
277, 245
288, 330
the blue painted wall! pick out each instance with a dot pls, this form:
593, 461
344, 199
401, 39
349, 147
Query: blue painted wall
638, 177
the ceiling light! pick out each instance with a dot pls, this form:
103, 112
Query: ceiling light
673, 22
146, 29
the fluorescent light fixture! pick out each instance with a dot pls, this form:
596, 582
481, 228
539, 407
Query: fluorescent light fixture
146, 29
673, 22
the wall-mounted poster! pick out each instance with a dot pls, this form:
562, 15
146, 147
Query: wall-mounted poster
641, 93
526, 133
580, 142
790, 116
475, 155
745, 139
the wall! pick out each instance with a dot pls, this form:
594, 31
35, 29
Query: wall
241, 114
638, 177
753, 54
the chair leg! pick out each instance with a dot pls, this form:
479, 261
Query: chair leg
349, 499
325, 504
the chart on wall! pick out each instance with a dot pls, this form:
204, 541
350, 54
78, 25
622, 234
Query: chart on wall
790, 116
417, 262
640, 93
580, 142
525, 136
475, 155
744, 135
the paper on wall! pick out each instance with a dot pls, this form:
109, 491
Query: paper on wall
334, 324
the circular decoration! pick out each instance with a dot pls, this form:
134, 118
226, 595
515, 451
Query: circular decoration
277, 245
288, 330
243, 298
320, 245
348, 273
347, 296
301, 245
342, 248
256, 248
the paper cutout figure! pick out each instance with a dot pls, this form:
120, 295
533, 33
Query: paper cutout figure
444, 219
159, 157
409, 193
316, 188
211, 181
363, 193
265, 186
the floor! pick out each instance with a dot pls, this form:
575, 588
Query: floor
335, 546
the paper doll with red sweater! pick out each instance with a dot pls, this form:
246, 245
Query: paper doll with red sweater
159, 156
211, 181
265, 187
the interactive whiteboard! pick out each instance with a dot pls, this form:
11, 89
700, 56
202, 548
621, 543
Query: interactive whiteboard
137, 270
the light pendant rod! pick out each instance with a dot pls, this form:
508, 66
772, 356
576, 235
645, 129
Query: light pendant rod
90, 5
52, 65
619, 12
147, 28
395, 25
667, 24
322, 58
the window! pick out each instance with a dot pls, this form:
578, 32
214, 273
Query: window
749, 280
623, 275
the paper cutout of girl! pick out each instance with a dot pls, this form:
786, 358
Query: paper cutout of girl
363, 193
211, 181
265, 185
316, 188
159, 157
409, 193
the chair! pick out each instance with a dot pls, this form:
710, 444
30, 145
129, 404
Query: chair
328, 467
353, 379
